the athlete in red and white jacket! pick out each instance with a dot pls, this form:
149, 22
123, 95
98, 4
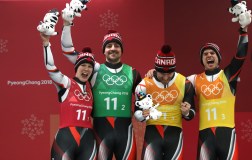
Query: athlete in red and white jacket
75, 138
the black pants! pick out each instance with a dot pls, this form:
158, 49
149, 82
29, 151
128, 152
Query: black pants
74, 143
217, 144
115, 136
162, 143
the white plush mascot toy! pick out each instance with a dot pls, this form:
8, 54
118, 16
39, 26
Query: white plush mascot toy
74, 9
240, 12
47, 26
145, 102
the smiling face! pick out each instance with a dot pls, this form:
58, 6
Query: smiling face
113, 52
84, 71
210, 59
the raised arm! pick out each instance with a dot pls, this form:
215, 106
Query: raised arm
233, 70
60, 80
68, 14
68, 47
67, 43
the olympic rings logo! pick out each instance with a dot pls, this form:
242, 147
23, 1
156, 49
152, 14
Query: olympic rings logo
167, 96
212, 89
82, 96
114, 79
